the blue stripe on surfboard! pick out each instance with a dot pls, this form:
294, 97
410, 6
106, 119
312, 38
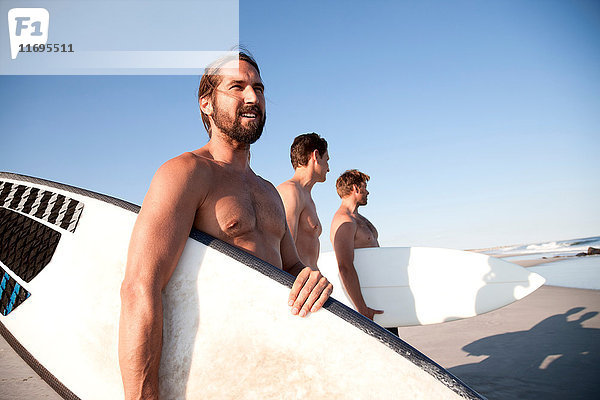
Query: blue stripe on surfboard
13, 298
5, 277
12, 294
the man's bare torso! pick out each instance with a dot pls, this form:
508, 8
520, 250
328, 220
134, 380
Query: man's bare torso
365, 236
240, 208
307, 228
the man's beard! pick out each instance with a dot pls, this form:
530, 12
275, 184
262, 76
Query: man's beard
234, 128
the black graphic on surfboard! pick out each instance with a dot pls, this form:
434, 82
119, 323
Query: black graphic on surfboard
26, 244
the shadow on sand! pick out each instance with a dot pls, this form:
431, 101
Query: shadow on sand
556, 359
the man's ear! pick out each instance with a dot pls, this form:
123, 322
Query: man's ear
355, 189
315, 155
206, 105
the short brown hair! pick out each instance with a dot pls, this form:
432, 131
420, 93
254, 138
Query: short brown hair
348, 179
304, 145
211, 79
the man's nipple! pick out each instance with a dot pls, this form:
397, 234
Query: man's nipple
232, 225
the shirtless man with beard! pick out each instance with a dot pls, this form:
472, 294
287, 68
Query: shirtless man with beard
310, 160
349, 231
211, 189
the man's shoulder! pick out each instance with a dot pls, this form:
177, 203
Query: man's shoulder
341, 216
193, 158
186, 166
290, 188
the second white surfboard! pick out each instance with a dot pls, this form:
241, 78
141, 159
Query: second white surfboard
421, 285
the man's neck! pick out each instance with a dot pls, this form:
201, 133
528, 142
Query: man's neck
226, 150
350, 204
304, 176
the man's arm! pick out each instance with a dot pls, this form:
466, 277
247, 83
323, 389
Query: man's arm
157, 241
310, 289
293, 206
343, 245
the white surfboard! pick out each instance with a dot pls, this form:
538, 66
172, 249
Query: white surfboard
421, 285
228, 332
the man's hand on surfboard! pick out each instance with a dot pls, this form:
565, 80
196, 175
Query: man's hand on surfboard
370, 313
309, 292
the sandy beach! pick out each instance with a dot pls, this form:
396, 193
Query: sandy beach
544, 346
18, 381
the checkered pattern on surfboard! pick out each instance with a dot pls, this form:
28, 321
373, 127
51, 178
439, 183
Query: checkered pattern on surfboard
11, 293
26, 245
46, 205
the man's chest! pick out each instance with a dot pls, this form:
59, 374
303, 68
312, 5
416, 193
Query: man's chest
309, 220
365, 230
242, 207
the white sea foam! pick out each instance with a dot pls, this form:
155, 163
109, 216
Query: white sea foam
547, 246
547, 249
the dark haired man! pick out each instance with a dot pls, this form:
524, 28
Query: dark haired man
349, 231
309, 157
211, 189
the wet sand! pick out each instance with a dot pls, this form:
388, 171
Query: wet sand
546, 345
537, 261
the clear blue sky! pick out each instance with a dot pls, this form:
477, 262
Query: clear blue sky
478, 121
